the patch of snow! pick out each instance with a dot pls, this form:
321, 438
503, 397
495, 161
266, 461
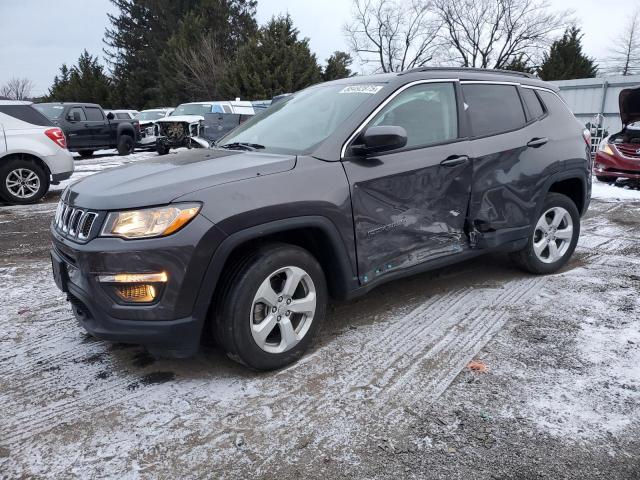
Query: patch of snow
605, 191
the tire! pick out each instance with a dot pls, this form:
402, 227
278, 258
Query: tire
538, 256
86, 153
23, 181
125, 145
240, 310
162, 149
606, 179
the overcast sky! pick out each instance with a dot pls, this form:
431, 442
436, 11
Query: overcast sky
37, 36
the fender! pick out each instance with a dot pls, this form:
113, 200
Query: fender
572, 173
347, 280
125, 129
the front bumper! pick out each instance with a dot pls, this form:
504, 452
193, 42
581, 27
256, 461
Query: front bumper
606, 165
172, 325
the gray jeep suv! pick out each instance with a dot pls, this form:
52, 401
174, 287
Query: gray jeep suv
329, 193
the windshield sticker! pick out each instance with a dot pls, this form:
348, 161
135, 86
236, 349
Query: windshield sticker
368, 89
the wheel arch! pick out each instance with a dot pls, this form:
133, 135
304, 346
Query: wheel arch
316, 234
27, 156
573, 184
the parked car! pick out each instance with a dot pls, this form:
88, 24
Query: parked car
33, 153
328, 193
88, 128
147, 119
122, 114
184, 127
618, 155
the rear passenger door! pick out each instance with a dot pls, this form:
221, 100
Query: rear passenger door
78, 132
508, 161
98, 126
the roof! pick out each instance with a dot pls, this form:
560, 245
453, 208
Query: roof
71, 103
14, 102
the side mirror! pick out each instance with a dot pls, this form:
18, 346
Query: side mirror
110, 116
381, 139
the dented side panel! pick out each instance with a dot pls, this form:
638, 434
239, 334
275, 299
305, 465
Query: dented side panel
408, 208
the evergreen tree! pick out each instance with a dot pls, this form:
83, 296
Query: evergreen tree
275, 61
565, 60
84, 82
223, 24
519, 64
147, 37
337, 66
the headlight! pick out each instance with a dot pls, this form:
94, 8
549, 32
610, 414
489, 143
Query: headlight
149, 222
604, 146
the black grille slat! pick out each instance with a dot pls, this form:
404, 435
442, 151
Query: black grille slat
74, 223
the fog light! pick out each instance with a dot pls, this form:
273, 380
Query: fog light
139, 293
134, 278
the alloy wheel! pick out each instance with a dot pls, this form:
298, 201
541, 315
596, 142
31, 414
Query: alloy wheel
552, 235
283, 309
22, 183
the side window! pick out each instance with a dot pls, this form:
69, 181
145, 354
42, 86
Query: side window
493, 109
533, 103
93, 114
427, 112
79, 111
123, 116
226, 109
26, 113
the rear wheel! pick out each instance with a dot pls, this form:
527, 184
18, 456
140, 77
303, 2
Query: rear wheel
125, 145
270, 306
86, 153
22, 181
554, 237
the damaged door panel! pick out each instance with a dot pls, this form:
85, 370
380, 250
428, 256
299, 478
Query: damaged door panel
410, 206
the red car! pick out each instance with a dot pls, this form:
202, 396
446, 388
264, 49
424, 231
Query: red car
618, 156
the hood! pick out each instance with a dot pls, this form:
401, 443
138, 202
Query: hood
181, 118
629, 101
162, 179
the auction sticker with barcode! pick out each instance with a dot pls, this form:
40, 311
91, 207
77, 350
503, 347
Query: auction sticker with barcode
370, 89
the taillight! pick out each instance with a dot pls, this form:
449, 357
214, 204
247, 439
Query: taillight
57, 135
587, 137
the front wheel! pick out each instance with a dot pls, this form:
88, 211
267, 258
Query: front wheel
554, 237
270, 307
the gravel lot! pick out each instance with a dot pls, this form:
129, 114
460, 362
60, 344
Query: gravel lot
384, 393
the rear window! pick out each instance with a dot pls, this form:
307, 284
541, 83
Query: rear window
493, 109
531, 100
49, 110
26, 113
93, 114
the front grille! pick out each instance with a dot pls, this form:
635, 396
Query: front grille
628, 149
73, 222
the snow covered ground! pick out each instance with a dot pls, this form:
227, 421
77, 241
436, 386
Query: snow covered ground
384, 392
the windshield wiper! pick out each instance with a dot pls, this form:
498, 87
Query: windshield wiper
242, 146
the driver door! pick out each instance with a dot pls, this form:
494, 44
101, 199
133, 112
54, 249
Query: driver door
410, 205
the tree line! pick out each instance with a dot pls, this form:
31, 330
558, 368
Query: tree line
165, 52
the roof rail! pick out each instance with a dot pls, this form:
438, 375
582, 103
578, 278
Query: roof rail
468, 69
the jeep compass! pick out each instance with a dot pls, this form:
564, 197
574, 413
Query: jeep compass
327, 194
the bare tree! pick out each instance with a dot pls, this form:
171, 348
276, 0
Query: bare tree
625, 55
17, 89
200, 68
393, 35
492, 33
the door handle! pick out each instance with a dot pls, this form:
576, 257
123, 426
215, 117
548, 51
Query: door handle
537, 142
454, 160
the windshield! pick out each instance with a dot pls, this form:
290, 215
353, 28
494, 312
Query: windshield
297, 124
153, 115
192, 109
50, 111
